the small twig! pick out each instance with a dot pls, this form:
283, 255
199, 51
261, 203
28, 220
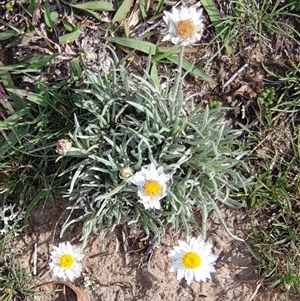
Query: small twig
233, 77
124, 248
204, 220
151, 245
255, 292
43, 33
105, 253
260, 143
34, 258
56, 224
42, 276
149, 29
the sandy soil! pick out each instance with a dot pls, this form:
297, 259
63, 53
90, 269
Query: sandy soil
122, 269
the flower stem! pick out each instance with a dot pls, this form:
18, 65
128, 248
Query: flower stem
178, 75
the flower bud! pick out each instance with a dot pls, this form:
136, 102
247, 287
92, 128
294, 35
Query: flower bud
63, 146
125, 172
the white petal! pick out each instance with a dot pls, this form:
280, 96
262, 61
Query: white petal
189, 276
160, 170
61, 273
180, 274
69, 274
163, 178
146, 205
56, 270
184, 246
137, 179
152, 175
69, 247
156, 205
78, 257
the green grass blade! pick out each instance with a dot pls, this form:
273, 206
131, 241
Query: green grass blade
189, 67
75, 67
38, 99
47, 13
215, 19
145, 47
10, 26
164, 52
70, 37
122, 11
7, 34
95, 6
38, 61
9, 84
12, 139
40, 196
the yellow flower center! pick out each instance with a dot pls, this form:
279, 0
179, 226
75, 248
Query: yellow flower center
191, 260
66, 261
185, 28
152, 188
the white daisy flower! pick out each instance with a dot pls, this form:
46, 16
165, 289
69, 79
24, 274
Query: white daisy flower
151, 184
193, 259
64, 262
185, 25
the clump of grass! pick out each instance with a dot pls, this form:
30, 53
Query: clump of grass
288, 101
129, 121
274, 209
259, 20
15, 281
28, 140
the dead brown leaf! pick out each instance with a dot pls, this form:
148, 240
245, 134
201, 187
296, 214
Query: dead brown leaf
81, 296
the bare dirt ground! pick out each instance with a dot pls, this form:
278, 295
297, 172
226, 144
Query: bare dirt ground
119, 269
